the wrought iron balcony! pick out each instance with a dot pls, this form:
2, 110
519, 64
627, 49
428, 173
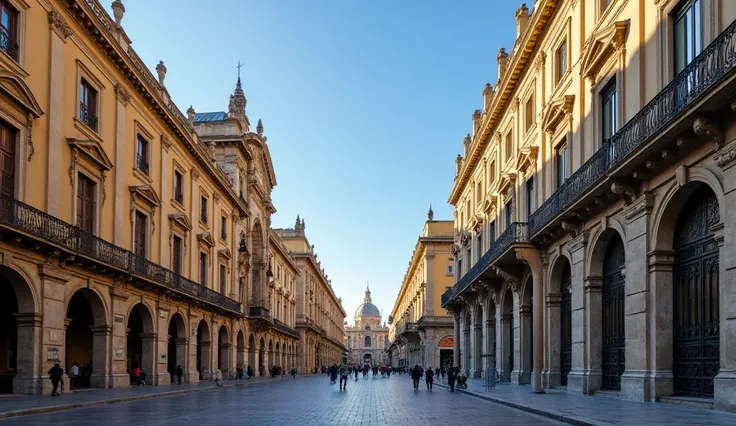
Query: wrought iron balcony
705, 71
516, 233
258, 312
9, 45
141, 163
24, 219
87, 117
282, 327
434, 321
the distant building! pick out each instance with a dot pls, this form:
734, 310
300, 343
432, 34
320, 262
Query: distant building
367, 338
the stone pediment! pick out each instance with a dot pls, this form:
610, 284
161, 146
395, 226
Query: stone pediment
93, 151
557, 110
507, 179
17, 89
601, 45
146, 193
206, 238
182, 220
225, 253
490, 204
527, 157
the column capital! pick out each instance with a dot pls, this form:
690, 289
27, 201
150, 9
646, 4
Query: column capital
101, 329
660, 260
639, 207
725, 158
579, 241
553, 299
532, 257
59, 25
593, 284
30, 319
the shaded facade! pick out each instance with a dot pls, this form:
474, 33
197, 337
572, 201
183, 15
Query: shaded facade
591, 234
421, 330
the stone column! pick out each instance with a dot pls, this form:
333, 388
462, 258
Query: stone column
490, 339
582, 377
120, 375
661, 379
60, 31
533, 258
724, 384
101, 357
149, 361
635, 380
526, 344
205, 351
28, 379
516, 344
551, 373
477, 348
504, 346
456, 339
53, 282
593, 373
429, 290
192, 369
165, 191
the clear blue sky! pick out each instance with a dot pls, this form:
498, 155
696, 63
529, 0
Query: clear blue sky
365, 104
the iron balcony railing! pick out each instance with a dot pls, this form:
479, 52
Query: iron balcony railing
87, 117
516, 233
429, 320
282, 327
259, 312
24, 218
8, 45
703, 73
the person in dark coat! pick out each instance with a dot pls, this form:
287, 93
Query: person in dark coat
416, 374
451, 376
250, 372
179, 373
55, 374
429, 378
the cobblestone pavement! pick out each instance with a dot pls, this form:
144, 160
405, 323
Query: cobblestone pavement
306, 401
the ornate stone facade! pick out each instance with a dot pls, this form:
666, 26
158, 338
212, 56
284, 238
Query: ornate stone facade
367, 338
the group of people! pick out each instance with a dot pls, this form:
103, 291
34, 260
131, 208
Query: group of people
453, 373
79, 376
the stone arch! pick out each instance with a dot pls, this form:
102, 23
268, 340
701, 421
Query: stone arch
271, 356
599, 245
87, 336
262, 357
240, 348
525, 327
204, 345
466, 346
177, 346
558, 263
223, 350
19, 326
506, 361
141, 340
252, 352
559, 321
478, 346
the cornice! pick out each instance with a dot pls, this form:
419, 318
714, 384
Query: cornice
520, 64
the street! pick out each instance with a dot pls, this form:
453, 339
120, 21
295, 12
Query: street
303, 401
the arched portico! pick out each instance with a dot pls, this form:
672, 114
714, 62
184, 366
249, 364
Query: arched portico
141, 341
506, 361
478, 344
177, 346
240, 348
87, 334
223, 351
252, 349
204, 345
559, 324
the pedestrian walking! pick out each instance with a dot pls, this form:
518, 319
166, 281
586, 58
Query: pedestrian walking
250, 372
451, 375
416, 374
179, 373
442, 373
429, 378
55, 374
293, 372
343, 372
75, 374
218, 377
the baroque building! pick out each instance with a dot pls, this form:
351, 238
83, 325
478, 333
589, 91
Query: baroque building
421, 329
319, 313
131, 234
593, 249
367, 338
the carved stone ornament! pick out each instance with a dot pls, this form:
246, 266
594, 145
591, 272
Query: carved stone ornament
511, 280
703, 126
580, 241
122, 94
59, 25
641, 206
571, 228
725, 158
29, 130
624, 191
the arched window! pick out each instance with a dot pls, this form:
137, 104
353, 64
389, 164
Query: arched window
367, 327
367, 341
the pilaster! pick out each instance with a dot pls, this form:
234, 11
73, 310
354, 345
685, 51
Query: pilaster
122, 161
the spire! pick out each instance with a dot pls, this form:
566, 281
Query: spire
237, 101
259, 127
430, 213
367, 298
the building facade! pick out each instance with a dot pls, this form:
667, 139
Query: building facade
319, 313
367, 338
131, 235
592, 241
421, 329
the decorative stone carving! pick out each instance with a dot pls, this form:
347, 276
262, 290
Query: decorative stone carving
118, 10
59, 25
643, 205
539, 61
165, 143
624, 191
195, 175
703, 126
571, 228
161, 71
259, 127
725, 158
580, 241
122, 94
511, 280
29, 137
430, 213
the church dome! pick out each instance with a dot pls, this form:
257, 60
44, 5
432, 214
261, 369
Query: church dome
367, 309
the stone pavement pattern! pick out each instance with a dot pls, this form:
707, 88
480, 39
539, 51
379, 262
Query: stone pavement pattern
307, 401
600, 409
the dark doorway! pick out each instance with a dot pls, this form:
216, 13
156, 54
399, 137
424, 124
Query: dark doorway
566, 325
696, 352
445, 357
135, 342
8, 335
79, 338
614, 292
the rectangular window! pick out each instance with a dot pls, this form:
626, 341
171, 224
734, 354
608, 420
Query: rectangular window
609, 111
178, 187
560, 61
85, 203
492, 232
479, 245
688, 33
176, 254
203, 268
492, 173
561, 164
509, 144
531, 204
509, 213
529, 113
460, 267
223, 280
478, 193
449, 268
141, 154
140, 234
88, 104
223, 228
7, 160
8, 30
203, 210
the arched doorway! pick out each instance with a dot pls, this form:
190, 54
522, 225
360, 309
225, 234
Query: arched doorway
240, 348
478, 330
526, 337
16, 343
262, 357
613, 335
507, 335
252, 353
696, 351
141, 340
203, 350
467, 348
223, 351
565, 323
270, 354
177, 346
86, 337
